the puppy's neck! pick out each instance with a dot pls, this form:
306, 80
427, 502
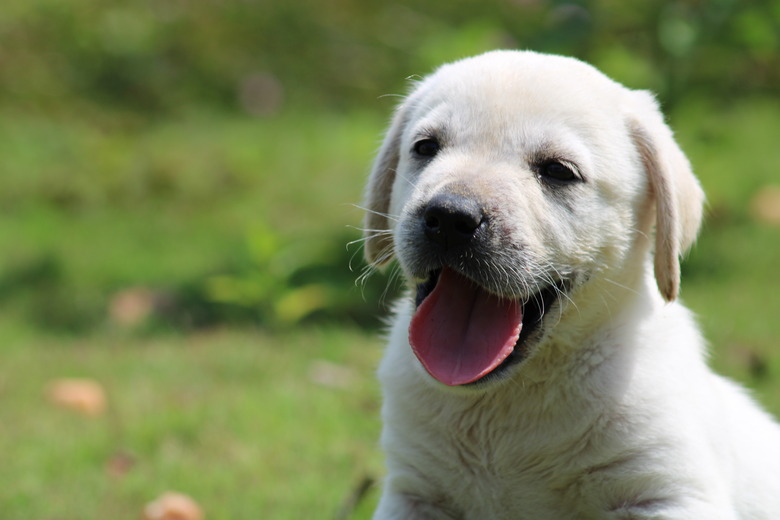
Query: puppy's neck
586, 334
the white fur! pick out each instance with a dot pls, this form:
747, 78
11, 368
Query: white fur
615, 414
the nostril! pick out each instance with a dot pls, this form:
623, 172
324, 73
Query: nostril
467, 225
452, 219
431, 221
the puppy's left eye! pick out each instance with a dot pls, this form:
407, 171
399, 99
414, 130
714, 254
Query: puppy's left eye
426, 147
558, 172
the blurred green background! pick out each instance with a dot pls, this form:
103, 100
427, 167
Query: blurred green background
178, 182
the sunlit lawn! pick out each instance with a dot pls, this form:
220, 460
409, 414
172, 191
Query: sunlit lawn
250, 426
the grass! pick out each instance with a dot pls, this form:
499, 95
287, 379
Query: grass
236, 417
164, 203
243, 422
181, 192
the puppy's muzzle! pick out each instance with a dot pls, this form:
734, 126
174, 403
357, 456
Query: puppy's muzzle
452, 221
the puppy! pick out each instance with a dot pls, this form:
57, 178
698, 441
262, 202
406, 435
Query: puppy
541, 367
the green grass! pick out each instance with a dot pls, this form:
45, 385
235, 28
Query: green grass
236, 420
179, 193
165, 203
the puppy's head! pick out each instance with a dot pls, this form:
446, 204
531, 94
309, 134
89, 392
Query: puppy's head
510, 183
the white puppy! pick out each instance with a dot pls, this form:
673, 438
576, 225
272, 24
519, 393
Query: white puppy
541, 367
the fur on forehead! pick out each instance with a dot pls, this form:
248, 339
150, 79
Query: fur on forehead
463, 93
526, 73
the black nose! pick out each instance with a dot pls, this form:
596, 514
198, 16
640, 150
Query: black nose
451, 220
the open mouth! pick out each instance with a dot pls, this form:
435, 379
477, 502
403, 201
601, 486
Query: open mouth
463, 334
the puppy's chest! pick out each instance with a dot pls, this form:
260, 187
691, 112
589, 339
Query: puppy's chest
489, 467
503, 489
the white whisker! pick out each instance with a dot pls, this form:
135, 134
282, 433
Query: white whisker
381, 214
627, 288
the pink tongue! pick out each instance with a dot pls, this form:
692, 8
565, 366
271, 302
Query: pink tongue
461, 332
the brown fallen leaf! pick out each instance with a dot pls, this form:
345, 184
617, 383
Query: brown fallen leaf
332, 375
132, 306
173, 506
765, 205
119, 464
85, 396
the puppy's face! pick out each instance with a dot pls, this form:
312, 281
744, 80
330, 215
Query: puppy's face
516, 180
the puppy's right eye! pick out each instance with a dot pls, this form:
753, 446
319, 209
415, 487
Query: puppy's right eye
558, 172
426, 147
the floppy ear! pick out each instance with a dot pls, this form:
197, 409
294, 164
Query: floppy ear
677, 194
378, 247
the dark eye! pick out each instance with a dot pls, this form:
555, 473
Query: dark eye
556, 171
426, 147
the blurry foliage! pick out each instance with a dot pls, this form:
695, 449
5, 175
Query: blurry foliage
280, 282
159, 215
273, 282
156, 55
47, 299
